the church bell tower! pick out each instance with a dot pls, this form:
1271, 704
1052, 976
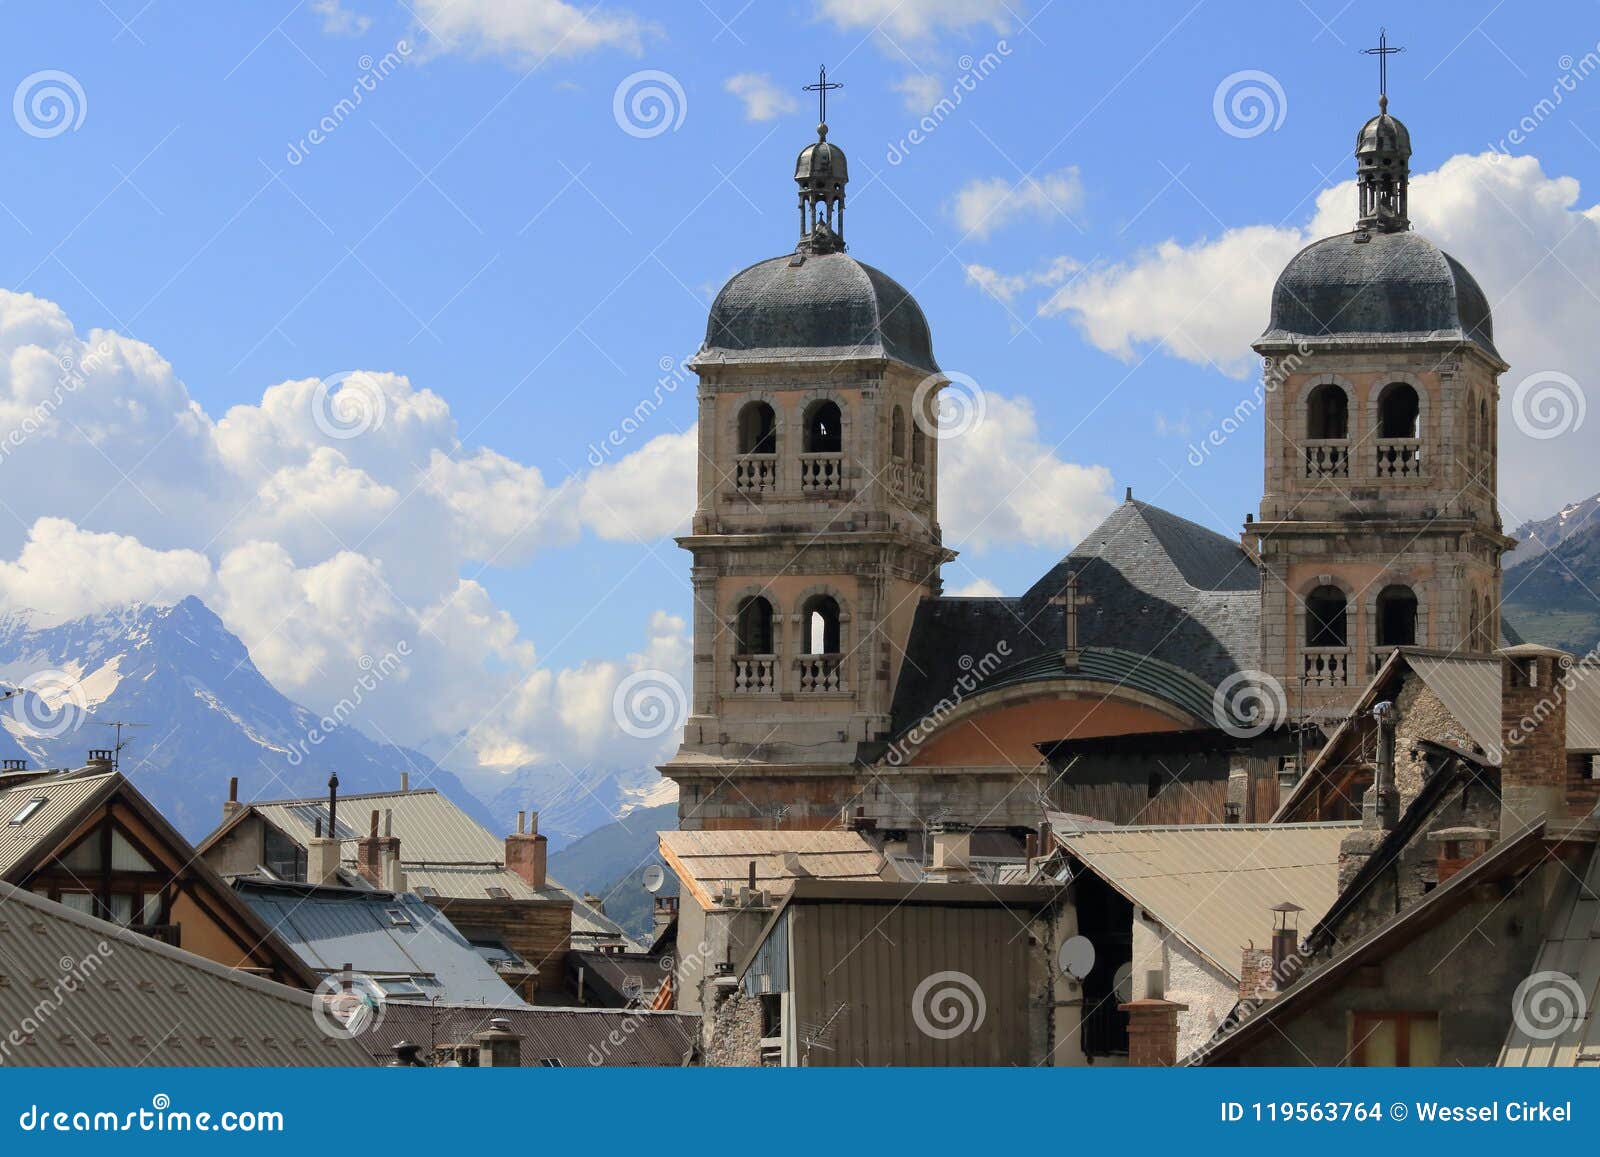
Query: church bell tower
815, 532
1378, 525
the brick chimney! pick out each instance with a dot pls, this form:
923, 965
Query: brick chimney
101, 759
498, 1046
1255, 974
1458, 847
1534, 684
231, 804
378, 856
527, 850
1152, 1031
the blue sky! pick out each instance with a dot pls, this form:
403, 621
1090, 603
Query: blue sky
483, 226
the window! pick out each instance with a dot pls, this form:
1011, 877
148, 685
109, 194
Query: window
823, 429
919, 446
1397, 617
497, 893
1399, 412
753, 627
80, 902
821, 619
29, 810
1394, 1039
1483, 425
1325, 618
897, 433
758, 429
1328, 412
426, 892
398, 917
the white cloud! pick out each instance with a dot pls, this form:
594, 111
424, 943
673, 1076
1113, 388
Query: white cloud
528, 30
763, 99
316, 549
982, 206
1526, 236
1005, 287
921, 91
978, 588
918, 20
999, 484
337, 20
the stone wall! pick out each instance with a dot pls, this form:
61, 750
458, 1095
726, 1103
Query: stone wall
735, 1036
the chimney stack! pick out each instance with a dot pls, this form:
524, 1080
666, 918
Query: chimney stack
526, 851
1285, 938
101, 759
405, 782
498, 1046
1458, 847
14, 765
378, 857
231, 804
322, 860
952, 855
1534, 684
1152, 1031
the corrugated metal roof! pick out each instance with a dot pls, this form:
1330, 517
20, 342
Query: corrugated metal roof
64, 795
705, 861
136, 1002
1565, 979
1213, 886
441, 847
331, 928
574, 1037
1469, 687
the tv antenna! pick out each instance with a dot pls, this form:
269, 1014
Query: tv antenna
116, 750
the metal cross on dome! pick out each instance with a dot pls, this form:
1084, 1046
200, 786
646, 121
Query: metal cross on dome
822, 88
1383, 52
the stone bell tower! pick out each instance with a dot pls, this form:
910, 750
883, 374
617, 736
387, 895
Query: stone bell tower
815, 533
1378, 525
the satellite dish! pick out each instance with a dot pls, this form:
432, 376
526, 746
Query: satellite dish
1076, 957
654, 877
1122, 982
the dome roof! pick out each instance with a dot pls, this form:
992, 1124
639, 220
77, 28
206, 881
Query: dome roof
1374, 286
1384, 134
820, 162
816, 306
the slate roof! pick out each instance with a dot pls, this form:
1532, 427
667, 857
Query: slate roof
823, 307
380, 934
1173, 611
572, 1037
1378, 287
1213, 886
137, 1002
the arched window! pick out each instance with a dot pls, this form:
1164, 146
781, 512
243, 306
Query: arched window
1484, 437
1486, 617
1397, 617
897, 433
758, 429
753, 628
823, 426
820, 617
1399, 412
1325, 618
919, 445
1327, 412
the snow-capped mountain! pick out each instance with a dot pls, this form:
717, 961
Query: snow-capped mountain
206, 714
571, 802
1539, 535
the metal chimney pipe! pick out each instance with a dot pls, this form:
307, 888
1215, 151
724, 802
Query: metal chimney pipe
333, 806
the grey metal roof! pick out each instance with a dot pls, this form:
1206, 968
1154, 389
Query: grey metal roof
1378, 287
1172, 610
64, 794
1469, 687
1571, 951
137, 1002
334, 927
574, 1037
441, 847
825, 307
1213, 886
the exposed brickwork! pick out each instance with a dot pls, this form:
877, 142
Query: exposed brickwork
1255, 974
1152, 1031
1533, 726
